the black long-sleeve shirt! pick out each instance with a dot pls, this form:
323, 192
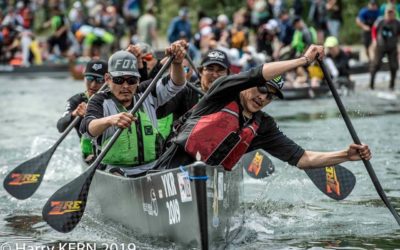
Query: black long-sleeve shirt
67, 117
180, 103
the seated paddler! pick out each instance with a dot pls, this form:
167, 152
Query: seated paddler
140, 142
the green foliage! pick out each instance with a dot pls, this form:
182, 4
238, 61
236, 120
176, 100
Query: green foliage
350, 33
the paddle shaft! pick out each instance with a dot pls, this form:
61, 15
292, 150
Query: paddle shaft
192, 64
198, 91
353, 134
137, 105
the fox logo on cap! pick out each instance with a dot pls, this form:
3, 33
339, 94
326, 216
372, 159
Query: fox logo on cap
97, 66
125, 64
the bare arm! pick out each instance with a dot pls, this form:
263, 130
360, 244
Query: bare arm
178, 49
362, 25
312, 159
271, 70
121, 120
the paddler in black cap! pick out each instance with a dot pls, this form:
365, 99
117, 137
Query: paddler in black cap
76, 105
228, 122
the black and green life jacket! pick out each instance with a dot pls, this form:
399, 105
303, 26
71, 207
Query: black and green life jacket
137, 145
165, 125
86, 142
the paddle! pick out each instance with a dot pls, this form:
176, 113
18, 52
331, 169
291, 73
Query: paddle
356, 140
257, 164
66, 206
24, 180
199, 91
336, 182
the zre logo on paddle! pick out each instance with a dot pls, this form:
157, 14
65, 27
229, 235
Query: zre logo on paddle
63, 207
332, 183
23, 179
255, 165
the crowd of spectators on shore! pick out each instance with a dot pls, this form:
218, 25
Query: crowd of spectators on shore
260, 31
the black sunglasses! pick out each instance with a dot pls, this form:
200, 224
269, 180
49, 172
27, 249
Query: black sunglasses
186, 69
264, 90
98, 79
119, 80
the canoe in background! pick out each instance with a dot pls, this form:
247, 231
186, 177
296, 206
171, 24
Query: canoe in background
47, 70
305, 92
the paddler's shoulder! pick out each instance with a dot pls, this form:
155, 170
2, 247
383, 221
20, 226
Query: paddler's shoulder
79, 97
101, 95
265, 120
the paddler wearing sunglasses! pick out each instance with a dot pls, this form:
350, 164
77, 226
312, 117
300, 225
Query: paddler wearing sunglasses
140, 142
76, 105
228, 122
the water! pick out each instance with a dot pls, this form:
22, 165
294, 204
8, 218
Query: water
284, 211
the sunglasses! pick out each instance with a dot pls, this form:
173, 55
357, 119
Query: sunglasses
98, 79
119, 80
264, 90
186, 69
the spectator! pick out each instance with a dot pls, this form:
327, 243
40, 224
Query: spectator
147, 27
302, 37
365, 19
131, 11
385, 34
285, 35
180, 27
334, 9
317, 15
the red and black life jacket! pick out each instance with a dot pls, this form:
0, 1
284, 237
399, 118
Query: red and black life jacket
218, 137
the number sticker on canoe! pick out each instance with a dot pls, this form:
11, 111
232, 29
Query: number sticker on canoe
174, 213
184, 187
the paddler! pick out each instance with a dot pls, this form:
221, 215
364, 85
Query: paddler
228, 122
214, 65
76, 105
140, 142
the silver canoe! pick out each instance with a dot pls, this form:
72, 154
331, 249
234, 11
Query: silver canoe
194, 206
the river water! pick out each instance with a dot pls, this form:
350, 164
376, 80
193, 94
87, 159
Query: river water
284, 211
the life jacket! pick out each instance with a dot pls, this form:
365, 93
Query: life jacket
165, 125
218, 137
86, 142
137, 145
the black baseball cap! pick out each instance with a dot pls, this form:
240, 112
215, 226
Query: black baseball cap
96, 67
216, 57
277, 83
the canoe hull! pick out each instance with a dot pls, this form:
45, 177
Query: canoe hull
196, 213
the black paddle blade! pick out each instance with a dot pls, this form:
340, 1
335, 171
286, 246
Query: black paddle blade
23, 181
257, 164
337, 182
65, 208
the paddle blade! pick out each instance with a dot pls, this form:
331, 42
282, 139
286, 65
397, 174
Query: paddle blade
337, 182
23, 181
257, 164
65, 208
